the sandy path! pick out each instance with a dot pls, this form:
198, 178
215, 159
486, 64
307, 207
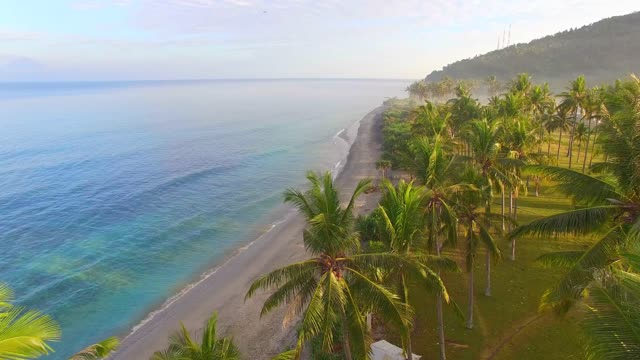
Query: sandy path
224, 291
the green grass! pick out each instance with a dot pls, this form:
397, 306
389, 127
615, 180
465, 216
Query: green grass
516, 291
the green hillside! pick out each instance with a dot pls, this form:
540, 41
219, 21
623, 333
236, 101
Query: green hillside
603, 51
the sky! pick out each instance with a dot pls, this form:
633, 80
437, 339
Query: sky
74, 40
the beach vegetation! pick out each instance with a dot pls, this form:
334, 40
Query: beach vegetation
99, 350
183, 346
335, 287
24, 333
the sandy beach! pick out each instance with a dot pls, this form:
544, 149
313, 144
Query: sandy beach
224, 290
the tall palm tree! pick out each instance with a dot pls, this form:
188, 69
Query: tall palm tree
383, 166
573, 100
24, 334
418, 89
182, 346
521, 84
332, 289
541, 105
592, 111
100, 350
493, 85
484, 138
581, 135
563, 123
436, 168
477, 231
463, 108
403, 224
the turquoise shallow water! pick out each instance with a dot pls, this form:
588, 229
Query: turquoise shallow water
114, 196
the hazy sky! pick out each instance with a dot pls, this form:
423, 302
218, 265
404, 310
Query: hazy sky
170, 39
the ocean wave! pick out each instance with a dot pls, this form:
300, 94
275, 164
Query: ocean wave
203, 277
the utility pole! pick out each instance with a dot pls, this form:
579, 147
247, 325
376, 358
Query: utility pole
509, 36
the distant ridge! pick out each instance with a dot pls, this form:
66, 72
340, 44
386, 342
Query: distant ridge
603, 51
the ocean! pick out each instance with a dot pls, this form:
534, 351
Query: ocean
114, 196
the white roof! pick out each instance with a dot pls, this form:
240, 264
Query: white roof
384, 350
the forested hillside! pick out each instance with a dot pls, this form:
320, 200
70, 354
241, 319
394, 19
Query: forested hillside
604, 51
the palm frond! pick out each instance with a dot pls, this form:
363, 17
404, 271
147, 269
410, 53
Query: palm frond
380, 300
287, 355
583, 187
282, 275
99, 350
611, 326
564, 259
578, 221
25, 334
573, 283
6, 296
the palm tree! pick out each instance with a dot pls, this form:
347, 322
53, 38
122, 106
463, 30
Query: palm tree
100, 350
383, 166
447, 86
561, 122
521, 84
573, 100
463, 108
182, 346
593, 110
477, 231
24, 334
418, 89
401, 210
541, 106
582, 133
332, 289
484, 138
435, 166
493, 85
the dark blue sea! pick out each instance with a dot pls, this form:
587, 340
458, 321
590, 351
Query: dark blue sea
115, 196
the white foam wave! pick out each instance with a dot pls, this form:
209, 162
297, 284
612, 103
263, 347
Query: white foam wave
203, 277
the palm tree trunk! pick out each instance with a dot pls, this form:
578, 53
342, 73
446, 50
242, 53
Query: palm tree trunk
471, 266
541, 139
579, 149
586, 148
515, 218
470, 314
345, 337
549, 144
572, 138
487, 289
593, 147
502, 211
443, 352
406, 301
559, 143
510, 206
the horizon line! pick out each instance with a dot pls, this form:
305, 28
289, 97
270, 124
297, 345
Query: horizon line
203, 80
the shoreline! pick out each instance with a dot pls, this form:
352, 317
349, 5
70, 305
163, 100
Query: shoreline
222, 288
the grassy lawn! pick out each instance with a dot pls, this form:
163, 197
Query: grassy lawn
504, 320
